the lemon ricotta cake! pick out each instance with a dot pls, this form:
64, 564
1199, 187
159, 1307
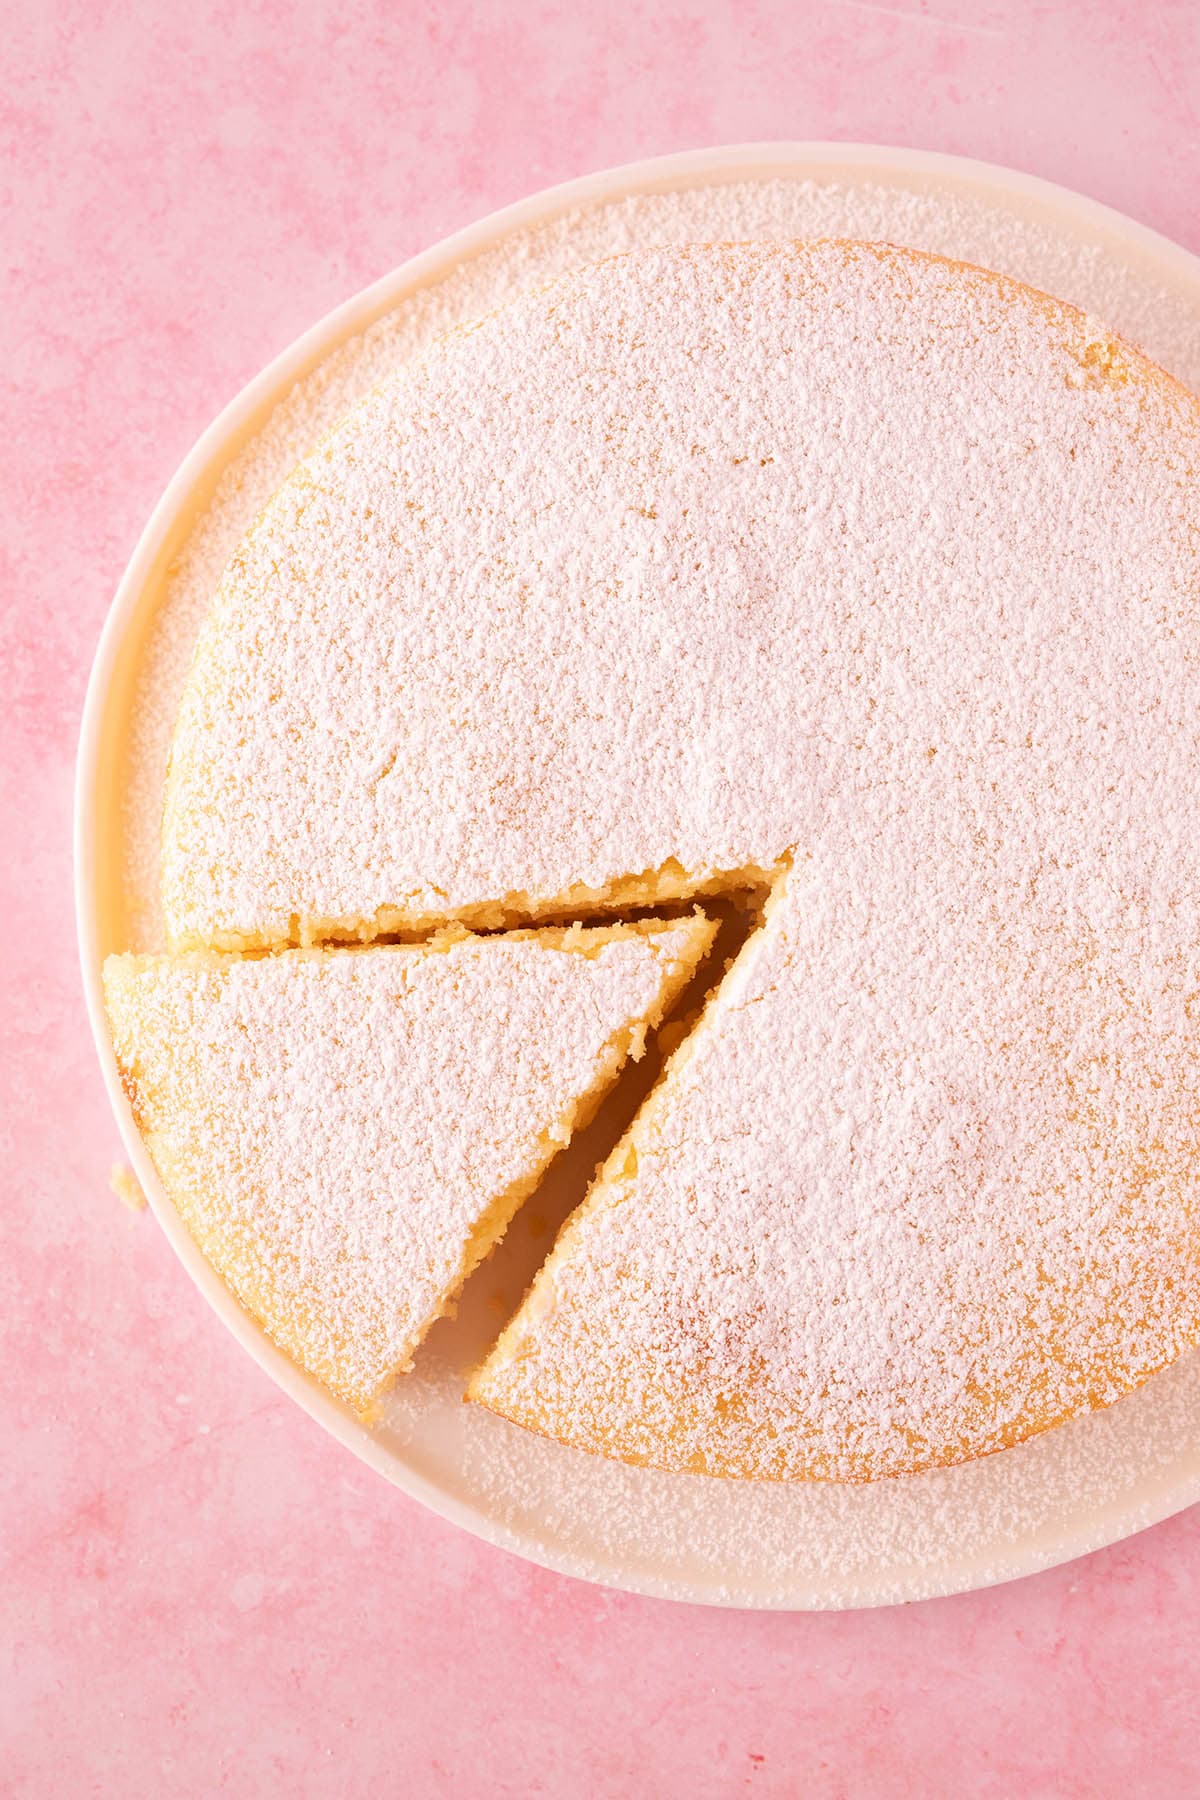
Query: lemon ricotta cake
843, 565
346, 1135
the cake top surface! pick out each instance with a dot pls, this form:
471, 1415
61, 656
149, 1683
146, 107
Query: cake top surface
337, 1128
840, 1544
705, 559
653, 571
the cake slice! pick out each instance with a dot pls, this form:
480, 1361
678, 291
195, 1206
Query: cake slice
347, 1134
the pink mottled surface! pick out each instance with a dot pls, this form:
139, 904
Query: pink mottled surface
201, 1593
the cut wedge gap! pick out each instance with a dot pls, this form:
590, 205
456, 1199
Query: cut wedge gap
668, 890
493, 1290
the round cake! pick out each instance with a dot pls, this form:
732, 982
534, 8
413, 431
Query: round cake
833, 566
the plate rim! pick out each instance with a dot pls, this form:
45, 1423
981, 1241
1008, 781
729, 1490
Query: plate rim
188, 490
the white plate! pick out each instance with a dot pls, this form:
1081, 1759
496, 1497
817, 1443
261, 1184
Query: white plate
750, 1544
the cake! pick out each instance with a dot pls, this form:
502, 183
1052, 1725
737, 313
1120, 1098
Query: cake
857, 571
346, 1135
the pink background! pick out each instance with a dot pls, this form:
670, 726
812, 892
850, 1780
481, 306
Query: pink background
200, 1592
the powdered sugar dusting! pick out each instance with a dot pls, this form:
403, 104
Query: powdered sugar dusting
830, 548
1073, 266
337, 1130
747, 1543
707, 554
696, 528
817, 1544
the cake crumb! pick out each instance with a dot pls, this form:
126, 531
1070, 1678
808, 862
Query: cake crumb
126, 1186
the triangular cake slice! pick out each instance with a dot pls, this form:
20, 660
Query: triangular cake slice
347, 1134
